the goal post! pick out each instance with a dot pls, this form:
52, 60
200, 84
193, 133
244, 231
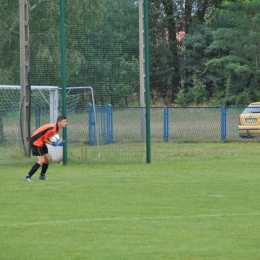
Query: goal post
45, 107
42, 109
46, 94
95, 123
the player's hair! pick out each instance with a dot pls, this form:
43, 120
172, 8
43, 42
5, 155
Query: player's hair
60, 118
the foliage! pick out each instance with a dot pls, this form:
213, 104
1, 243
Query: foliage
9, 43
194, 56
254, 86
128, 81
237, 44
101, 45
45, 37
161, 68
174, 61
224, 53
220, 47
181, 97
195, 95
110, 51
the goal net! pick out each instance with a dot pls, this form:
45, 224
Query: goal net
102, 51
44, 108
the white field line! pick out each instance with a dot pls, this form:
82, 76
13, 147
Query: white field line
60, 222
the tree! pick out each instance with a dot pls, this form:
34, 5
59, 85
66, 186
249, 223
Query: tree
44, 41
169, 18
110, 49
236, 43
163, 49
194, 56
45, 37
9, 42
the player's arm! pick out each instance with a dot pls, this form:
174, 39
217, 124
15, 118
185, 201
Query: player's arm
56, 143
46, 138
58, 140
48, 142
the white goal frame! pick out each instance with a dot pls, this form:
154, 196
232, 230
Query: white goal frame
94, 111
53, 102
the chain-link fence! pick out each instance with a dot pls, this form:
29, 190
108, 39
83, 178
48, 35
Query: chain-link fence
102, 51
102, 54
119, 137
202, 124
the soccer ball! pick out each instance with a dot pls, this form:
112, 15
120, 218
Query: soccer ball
54, 138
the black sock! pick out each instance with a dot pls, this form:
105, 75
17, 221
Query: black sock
44, 168
35, 167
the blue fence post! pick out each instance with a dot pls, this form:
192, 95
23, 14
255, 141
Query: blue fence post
38, 117
109, 124
165, 124
91, 124
223, 123
103, 122
105, 127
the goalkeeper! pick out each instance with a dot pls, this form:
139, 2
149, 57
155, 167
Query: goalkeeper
39, 148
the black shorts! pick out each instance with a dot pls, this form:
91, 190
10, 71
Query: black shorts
39, 151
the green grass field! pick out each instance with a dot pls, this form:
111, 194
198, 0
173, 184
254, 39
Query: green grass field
194, 201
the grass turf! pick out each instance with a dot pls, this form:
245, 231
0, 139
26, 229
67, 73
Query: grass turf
194, 201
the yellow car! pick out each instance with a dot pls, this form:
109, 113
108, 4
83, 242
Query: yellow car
249, 121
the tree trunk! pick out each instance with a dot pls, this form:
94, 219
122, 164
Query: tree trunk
188, 17
171, 28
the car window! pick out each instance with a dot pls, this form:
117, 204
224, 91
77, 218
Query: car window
252, 109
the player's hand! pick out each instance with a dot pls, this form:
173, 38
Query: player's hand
57, 143
61, 143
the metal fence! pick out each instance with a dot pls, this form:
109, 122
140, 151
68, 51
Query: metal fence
201, 124
102, 51
126, 140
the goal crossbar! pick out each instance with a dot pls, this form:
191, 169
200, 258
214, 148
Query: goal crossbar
54, 97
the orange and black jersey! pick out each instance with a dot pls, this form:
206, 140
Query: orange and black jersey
43, 134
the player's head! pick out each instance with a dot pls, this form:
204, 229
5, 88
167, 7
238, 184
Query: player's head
60, 118
61, 121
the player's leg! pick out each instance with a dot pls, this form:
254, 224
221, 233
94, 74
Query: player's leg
36, 151
44, 162
33, 170
45, 166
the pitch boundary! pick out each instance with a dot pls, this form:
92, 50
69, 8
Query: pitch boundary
123, 219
